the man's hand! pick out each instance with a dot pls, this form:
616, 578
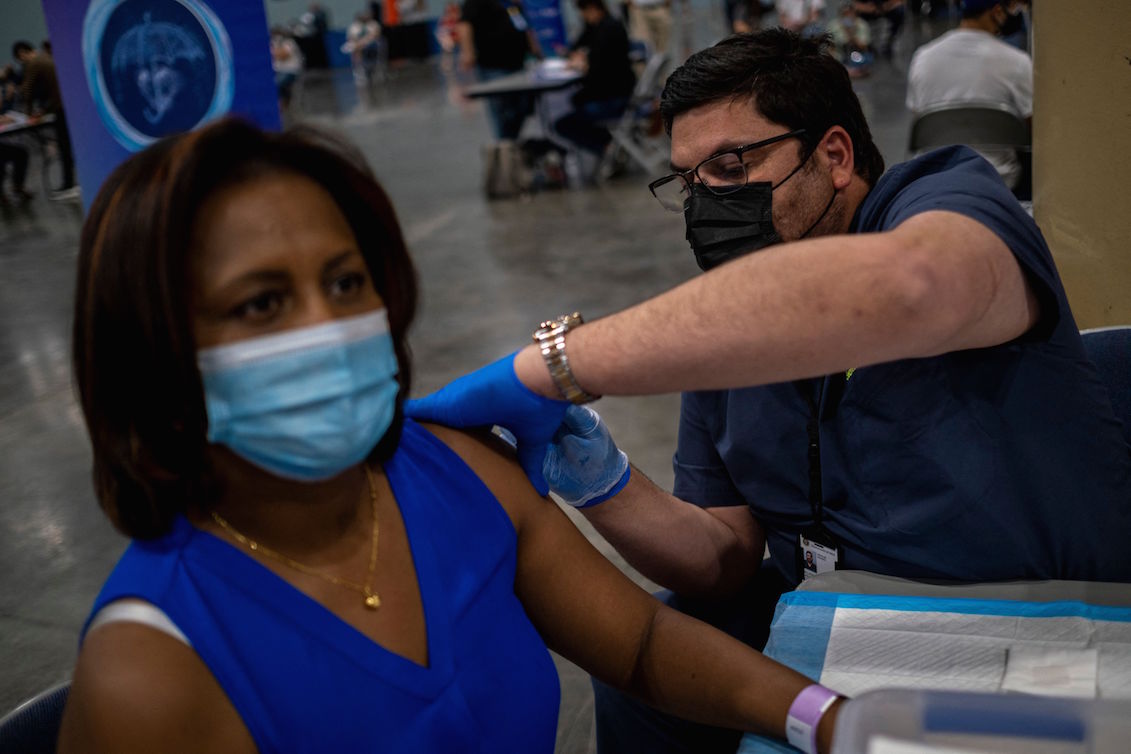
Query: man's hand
584, 467
579, 61
493, 395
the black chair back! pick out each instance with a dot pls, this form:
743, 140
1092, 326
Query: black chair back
33, 727
980, 125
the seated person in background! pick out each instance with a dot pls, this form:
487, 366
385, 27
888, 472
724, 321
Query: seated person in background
971, 65
312, 571
601, 54
852, 40
10, 152
39, 95
286, 60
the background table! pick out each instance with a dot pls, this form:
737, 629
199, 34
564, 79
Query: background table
27, 126
529, 81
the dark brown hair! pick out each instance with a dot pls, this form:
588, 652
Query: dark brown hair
794, 82
134, 351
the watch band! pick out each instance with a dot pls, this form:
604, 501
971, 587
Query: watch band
550, 337
804, 715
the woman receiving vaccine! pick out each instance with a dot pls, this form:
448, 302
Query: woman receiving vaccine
309, 570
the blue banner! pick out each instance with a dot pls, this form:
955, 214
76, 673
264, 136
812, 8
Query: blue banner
545, 17
133, 71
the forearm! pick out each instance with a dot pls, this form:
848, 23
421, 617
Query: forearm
588, 611
466, 38
700, 673
690, 550
799, 310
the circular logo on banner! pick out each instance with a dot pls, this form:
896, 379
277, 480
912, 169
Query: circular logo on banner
156, 67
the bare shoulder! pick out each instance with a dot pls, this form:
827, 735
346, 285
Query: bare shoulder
493, 461
137, 689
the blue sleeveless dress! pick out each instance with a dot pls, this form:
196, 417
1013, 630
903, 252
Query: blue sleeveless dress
303, 680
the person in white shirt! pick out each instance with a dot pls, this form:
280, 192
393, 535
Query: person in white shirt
971, 65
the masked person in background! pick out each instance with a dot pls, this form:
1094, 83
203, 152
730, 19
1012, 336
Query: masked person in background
600, 53
310, 570
893, 381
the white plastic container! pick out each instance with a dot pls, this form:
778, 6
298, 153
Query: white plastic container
905, 721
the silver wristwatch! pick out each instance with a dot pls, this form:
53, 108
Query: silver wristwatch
550, 337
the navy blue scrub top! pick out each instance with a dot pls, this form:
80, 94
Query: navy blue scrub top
995, 463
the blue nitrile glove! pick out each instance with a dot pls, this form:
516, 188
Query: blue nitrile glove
494, 395
584, 467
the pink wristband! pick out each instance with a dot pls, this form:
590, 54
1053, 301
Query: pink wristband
804, 714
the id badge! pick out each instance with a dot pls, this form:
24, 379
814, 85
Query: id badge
816, 557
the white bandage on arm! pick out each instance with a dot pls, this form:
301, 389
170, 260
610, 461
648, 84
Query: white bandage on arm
138, 611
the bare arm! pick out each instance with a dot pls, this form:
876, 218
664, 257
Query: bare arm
690, 550
808, 308
118, 703
591, 613
466, 37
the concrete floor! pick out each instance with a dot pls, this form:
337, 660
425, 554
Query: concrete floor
489, 272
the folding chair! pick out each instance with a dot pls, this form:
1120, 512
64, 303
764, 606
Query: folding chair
33, 727
973, 124
978, 125
630, 131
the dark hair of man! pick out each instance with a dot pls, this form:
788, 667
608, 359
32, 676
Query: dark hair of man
600, 4
20, 48
794, 82
134, 351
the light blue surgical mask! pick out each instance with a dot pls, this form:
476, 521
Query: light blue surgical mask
304, 404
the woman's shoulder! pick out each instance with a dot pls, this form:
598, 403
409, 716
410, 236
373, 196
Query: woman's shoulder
492, 460
138, 689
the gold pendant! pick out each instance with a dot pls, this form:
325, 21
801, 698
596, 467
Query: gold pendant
372, 601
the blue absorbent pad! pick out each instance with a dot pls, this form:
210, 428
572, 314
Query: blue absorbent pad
854, 643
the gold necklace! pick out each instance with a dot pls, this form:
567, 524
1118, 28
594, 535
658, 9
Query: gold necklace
372, 601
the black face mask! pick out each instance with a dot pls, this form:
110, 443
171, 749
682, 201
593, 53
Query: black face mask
721, 228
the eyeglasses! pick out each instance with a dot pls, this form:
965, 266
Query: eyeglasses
722, 173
